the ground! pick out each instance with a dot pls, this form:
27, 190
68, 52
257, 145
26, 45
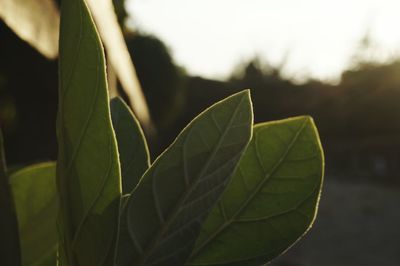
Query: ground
358, 224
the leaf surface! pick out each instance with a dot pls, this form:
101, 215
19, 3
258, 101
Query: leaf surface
10, 253
132, 147
271, 201
167, 208
135, 160
36, 201
88, 174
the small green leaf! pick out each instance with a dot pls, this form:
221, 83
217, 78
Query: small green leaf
9, 237
88, 174
132, 147
272, 199
167, 208
36, 201
135, 160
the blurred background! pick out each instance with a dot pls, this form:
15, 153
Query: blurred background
338, 61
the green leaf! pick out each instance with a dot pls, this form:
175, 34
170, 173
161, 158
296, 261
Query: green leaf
135, 160
167, 208
9, 237
272, 199
88, 174
36, 201
132, 147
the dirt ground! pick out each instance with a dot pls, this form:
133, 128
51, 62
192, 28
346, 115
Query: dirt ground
358, 224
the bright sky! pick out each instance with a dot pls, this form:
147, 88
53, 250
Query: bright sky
315, 38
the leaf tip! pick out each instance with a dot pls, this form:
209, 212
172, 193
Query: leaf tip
245, 96
117, 100
308, 120
245, 93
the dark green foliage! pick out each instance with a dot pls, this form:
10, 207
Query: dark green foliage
133, 152
135, 160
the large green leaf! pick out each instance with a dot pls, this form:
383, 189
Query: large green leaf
272, 199
132, 147
167, 208
9, 236
36, 201
88, 174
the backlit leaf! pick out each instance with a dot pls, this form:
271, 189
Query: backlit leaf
271, 201
36, 201
167, 208
133, 152
88, 174
135, 160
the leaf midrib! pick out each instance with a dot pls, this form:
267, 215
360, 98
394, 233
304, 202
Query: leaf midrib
191, 187
272, 216
255, 191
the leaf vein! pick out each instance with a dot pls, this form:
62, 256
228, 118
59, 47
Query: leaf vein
256, 190
192, 186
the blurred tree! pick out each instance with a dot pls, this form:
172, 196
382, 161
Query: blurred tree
162, 81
